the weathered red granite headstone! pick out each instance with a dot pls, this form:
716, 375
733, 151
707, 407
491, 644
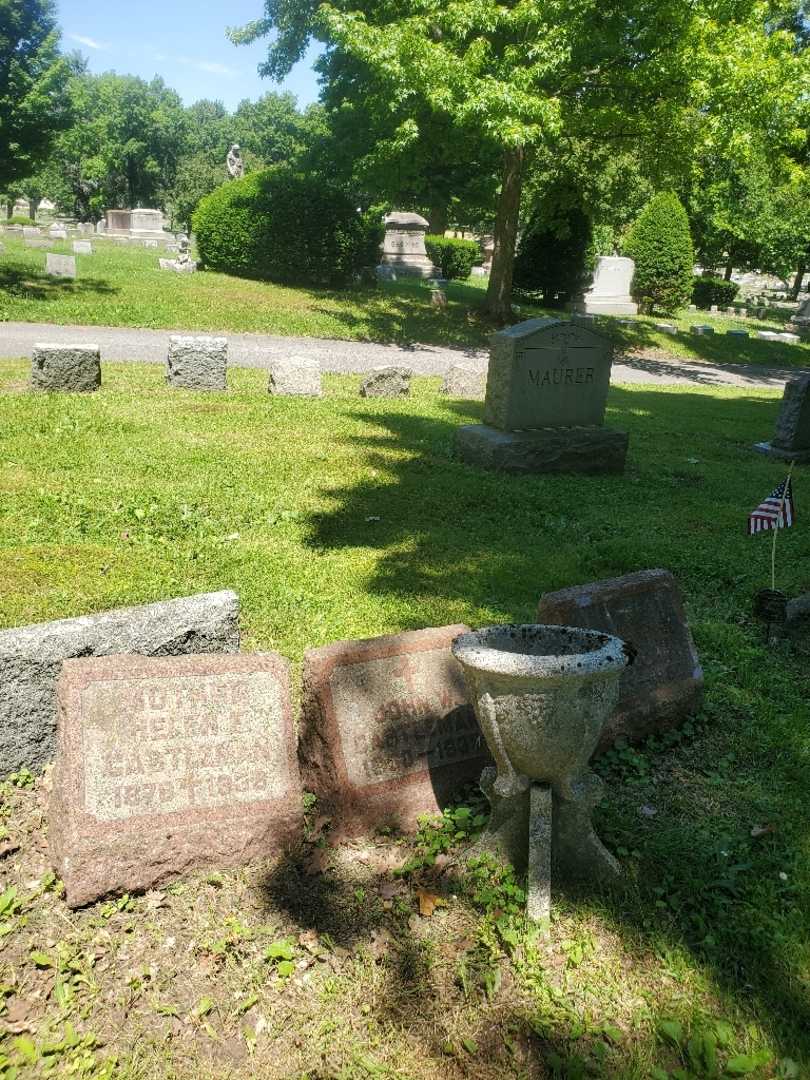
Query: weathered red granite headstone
387, 732
167, 765
664, 684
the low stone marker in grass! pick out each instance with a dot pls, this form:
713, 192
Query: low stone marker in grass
60, 265
82, 247
197, 363
31, 658
791, 440
386, 731
387, 381
167, 765
295, 376
547, 387
69, 368
664, 684
36, 242
463, 382
701, 329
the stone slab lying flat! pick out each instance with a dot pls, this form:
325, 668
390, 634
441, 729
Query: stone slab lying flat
69, 368
664, 684
197, 363
295, 376
564, 449
31, 658
387, 732
168, 765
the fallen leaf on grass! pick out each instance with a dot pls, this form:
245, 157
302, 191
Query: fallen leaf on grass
390, 889
428, 902
380, 943
762, 830
310, 941
8, 848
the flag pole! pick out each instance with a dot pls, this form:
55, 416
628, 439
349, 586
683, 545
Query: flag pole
781, 519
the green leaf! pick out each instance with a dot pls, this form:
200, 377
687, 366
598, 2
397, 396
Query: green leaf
741, 1065
612, 1032
279, 950
247, 1004
724, 1032
671, 1031
285, 968
470, 1045
41, 959
27, 1047
204, 1006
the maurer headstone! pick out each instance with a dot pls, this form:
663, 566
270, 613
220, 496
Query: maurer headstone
664, 683
168, 765
609, 293
547, 387
387, 732
404, 245
791, 440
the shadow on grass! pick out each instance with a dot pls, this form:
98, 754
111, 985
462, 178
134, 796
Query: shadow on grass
26, 283
695, 882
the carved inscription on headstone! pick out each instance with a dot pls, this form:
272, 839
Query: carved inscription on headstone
170, 764
387, 731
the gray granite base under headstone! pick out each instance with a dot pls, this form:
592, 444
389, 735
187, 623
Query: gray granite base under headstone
197, 363
572, 449
31, 659
66, 368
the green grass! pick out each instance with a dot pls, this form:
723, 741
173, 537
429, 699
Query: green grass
122, 286
344, 518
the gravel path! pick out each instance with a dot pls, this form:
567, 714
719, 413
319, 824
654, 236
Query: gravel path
342, 357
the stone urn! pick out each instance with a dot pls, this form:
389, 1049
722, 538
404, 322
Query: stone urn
542, 695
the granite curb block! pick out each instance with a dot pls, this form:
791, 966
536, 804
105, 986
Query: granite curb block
664, 684
195, 753
197, 363
31, 658
387, 732
66, 368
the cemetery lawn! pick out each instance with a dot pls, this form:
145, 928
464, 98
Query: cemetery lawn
346, 518
122, 286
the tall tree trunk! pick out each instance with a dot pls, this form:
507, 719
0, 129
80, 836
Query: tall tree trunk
33, 205
797, 282
438, 218
499, 291
729, 269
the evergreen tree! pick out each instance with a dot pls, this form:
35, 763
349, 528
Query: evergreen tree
661, 246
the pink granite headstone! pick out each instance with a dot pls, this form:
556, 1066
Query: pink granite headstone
168, 765
387, 732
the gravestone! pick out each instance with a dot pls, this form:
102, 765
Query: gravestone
57, 232
404, 245
71, 368
36, 242
666, 328
82, 247
167, 765
463, 382
60, 265
701, 329
31, 659
387, 381
118, 221
31, 230
547, 387
610, 292
737, 333
197, 363
295, 376
386, 730
664, 683
791, 440
85, 228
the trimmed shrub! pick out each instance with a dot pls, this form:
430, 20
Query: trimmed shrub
282, 226
661, 246
713, 290
454, 256
19, 219
553, 260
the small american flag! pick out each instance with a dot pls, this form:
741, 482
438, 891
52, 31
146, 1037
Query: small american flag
775, 512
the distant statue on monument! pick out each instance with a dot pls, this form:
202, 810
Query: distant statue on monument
236, 167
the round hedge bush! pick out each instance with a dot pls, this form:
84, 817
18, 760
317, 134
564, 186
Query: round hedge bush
661, 246
712, 290
454, 256
283, 226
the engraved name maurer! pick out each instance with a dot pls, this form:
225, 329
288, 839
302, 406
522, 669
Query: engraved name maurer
155, 745
562, 376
